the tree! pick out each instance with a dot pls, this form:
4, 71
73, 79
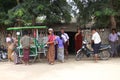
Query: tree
54, 10
105, 11
108, 10
5, 5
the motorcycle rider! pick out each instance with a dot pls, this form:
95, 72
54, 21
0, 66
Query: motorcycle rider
96, 42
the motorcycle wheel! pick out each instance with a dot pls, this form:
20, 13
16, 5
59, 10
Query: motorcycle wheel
104, 55
79, 56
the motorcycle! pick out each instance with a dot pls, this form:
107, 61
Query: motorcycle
103, 51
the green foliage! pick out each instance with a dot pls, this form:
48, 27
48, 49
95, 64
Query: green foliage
26, 10
101, 9
57, 10
105, 10
7, 22
19, 12
5, 5
98, 13
54, 10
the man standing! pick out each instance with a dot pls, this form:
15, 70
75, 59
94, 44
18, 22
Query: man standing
96, 42
66, 41
113, 38
25, 42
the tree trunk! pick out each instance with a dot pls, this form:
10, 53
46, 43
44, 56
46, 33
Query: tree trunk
3, 34
113, 22
17, 2
112, 17
33, 20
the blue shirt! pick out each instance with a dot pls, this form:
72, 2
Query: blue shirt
60, 42
113, 37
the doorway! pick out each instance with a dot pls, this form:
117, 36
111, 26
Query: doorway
71, 47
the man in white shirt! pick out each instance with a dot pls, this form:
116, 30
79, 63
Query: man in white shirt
66, 41
96, 42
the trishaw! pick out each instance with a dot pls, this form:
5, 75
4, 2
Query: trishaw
39, 37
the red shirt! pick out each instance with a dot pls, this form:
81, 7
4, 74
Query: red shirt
51, 38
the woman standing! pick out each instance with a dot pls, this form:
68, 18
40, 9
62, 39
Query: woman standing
60, 48
78, 40
10, 46
51, 49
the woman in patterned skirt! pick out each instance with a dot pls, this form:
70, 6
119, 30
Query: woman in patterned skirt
51, 49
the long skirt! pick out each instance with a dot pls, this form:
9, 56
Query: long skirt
10, 51
51, 53
26, 53
60, 54
78, 42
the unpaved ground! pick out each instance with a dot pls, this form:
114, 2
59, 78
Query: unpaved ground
70, 70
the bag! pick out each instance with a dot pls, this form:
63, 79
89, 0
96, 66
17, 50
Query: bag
16, 58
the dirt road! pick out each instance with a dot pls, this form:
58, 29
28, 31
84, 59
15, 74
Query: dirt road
70, 70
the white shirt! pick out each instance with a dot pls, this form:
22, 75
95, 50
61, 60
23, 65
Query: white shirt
65, 37
8, 39
96, 38
118, 33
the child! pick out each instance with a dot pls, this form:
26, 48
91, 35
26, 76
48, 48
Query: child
60, 48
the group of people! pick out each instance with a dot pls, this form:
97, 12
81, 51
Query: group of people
13, 53
58, 45
61, 41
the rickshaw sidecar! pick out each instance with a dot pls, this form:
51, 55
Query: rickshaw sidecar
34, 49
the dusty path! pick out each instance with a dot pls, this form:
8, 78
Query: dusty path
70, 70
